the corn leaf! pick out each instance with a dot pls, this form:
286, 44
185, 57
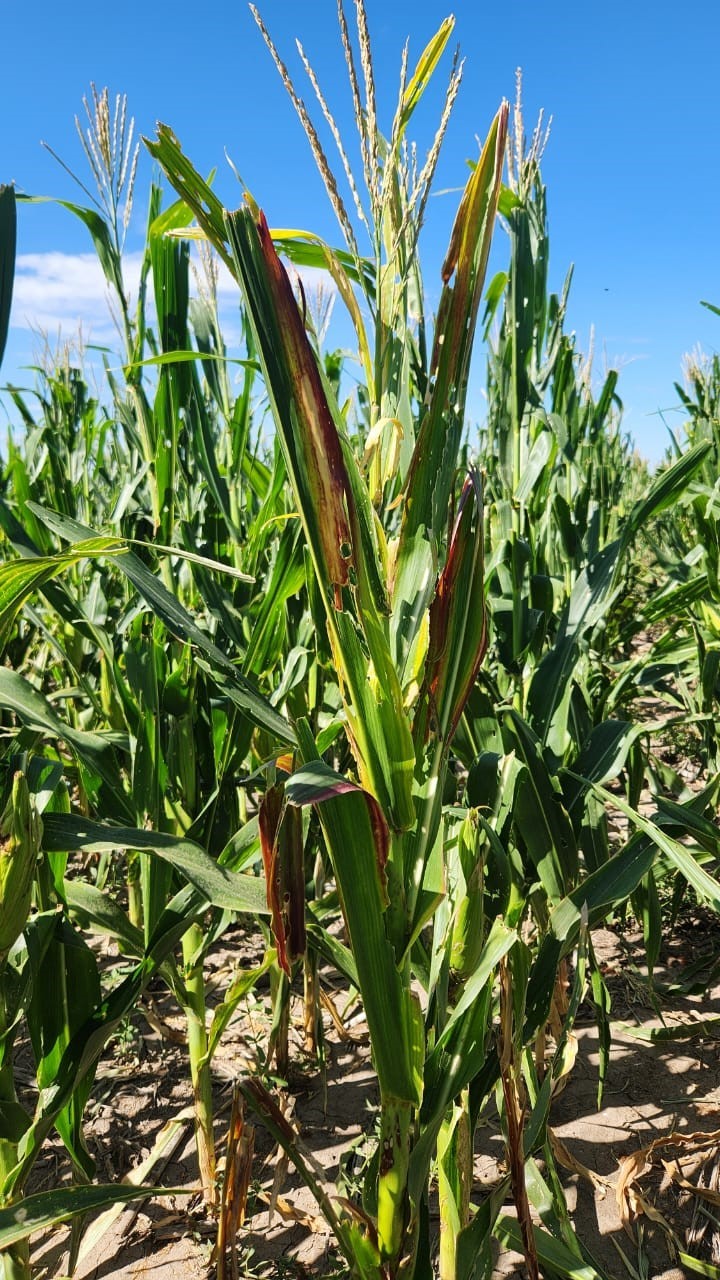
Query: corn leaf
49, 1209
541, 817
310, 441
218, 885
336, 516
434, 461
665, 491
8, 241
66, 990
552, 1254
357, 839
423, 73
177, 619
20, 578
458, 631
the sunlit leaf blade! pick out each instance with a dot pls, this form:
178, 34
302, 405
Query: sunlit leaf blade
665, 490
107, 256
309, 436
458, 632
50, 1209
19, 578
192, 189
423, 72
357, 839
705, 885
431, 476
336, 515
177, 619
305, 249
221, 887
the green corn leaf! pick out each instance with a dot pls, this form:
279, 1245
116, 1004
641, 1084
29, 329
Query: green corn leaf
665, 491
553, 1255
336, 515
423, 73
107, 255
8, 243
603, 755
93, 749
241, 985
474, 1259
616, 880
333, 951
86, 1046
705, 1027
66, 991
698, 1267
195, 193
20, 578
49, 1209
306, 249
357, 840
610, 885
549, 694
94, 910
543, 448
435, 456
286, 579
219, 886
706, 886
20, 833
459, 1052
541, 817
177, 619
189, 357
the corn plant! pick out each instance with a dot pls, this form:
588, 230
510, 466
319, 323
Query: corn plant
401, 608
136, 683
399, 652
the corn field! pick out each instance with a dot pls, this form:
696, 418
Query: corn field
292, 643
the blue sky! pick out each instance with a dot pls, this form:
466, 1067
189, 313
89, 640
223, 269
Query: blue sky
631, 168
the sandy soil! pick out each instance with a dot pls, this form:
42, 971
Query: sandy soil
650, 1091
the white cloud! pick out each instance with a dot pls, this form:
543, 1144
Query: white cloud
62, 291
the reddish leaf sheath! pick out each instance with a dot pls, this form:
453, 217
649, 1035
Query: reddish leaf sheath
281, 841
305, 423
458, 626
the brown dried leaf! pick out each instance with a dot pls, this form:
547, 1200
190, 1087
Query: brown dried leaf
568, 1161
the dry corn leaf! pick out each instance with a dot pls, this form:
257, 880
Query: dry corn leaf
236, 1182
164, 1146
573, 1165
704, 1193
344, 1034
290, 1213
631, 1202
